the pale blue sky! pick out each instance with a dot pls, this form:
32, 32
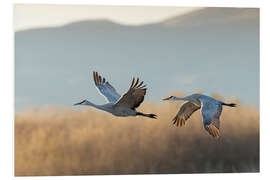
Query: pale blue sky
215, 50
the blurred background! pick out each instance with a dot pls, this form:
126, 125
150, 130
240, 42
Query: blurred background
215, 50
174, 50
61, 141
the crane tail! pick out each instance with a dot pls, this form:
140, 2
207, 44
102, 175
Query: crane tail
231, 104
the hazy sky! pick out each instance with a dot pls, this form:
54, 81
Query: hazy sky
215, 50
30, 16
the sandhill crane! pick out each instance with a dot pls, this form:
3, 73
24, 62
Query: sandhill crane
210, 109
117, 105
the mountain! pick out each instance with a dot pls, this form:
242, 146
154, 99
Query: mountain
212, 49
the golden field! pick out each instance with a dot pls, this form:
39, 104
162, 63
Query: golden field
54, 140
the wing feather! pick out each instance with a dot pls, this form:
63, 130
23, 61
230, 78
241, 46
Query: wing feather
105, 88
134, 96
186, 110
211, 113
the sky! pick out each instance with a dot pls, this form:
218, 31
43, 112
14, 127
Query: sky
28, 16
215, 50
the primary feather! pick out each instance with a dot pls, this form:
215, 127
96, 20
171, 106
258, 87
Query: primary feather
105, 88
186, 110
134, 96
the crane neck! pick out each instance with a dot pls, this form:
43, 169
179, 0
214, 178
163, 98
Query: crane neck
178, 98
88, 103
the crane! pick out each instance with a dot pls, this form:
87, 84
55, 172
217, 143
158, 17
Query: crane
117, 105
210, 109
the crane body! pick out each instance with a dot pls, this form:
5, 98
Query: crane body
117, 105
210, 110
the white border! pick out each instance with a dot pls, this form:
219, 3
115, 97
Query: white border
7, 83
209, 3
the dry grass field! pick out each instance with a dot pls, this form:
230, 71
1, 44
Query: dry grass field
61, 141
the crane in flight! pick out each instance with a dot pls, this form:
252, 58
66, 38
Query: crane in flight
210, 109
117, 105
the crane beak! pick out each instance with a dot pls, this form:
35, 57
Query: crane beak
168, 98
79, 103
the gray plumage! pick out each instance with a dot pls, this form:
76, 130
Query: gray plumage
117, 105
210, 109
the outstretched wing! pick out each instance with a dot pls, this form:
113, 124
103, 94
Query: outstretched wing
134, 97
186, 110
105, 88
211, 113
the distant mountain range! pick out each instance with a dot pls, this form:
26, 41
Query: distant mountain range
212, 49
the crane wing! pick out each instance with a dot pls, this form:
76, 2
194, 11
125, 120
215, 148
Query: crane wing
211, 113
186, 110
105, 88
134, 96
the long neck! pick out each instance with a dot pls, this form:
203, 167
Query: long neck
178, 98
88, 103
